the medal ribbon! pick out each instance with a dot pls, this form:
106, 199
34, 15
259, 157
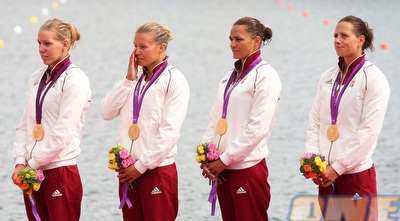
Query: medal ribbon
125, 198
335, 101
212, 197
137, 97
231, 84
34, 210
40, 97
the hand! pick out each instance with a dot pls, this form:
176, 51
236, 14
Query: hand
327, 178
212, 169
132, 67
129, 174
17, 169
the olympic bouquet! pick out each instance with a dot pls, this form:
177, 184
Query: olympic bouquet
207, 152
119, 158
312, 164
30, 180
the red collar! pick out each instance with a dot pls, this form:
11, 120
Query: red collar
350, 67
57, 68
240, 68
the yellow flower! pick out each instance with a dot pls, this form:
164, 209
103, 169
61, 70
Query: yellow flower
36, 186
112, 157
203, 158
322, 168
198, 158
113, 166
200, 149
318, 161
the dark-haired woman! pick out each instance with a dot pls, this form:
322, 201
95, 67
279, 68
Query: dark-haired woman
347, 116
241, 124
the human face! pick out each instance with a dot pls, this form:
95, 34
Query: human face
148, 52
346, 43
242, 42
51, 50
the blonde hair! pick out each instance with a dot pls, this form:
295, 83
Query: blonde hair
162, 33
62, 31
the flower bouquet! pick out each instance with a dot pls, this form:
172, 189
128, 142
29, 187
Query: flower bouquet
29, 181
207, 152
120, 158
312, 164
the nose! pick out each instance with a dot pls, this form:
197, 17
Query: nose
41, 48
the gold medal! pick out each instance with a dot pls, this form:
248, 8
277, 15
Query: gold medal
333, 132
38, 132
222, 126
134, 131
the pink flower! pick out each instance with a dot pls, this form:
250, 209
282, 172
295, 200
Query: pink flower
125, 163
212, 147
40, 175
308, 156
210, 156
123, 154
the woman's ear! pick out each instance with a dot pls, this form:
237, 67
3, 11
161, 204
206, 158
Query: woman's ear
257, 41
65, 44
163, 47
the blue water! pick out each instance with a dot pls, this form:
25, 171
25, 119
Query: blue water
301, 49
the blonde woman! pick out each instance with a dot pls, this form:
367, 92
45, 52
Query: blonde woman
49, 134
151, 103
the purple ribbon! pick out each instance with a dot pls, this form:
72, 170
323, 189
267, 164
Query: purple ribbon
138, 98
125, 198
34, 211
212, 198
232, 83
335, 100
40, 97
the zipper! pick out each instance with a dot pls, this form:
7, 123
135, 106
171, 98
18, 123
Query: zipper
33, 148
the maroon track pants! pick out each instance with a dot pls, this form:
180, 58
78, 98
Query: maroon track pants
59, 197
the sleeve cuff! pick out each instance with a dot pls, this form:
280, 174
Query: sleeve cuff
225, 159
339, 168
20, 160
127, 83
140, 167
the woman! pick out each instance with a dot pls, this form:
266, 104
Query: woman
49, 133
347, 115
242, 127
151, 103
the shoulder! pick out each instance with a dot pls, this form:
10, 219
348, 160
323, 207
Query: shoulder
330, 74
174, 74
74, 75
265, 69
371, 69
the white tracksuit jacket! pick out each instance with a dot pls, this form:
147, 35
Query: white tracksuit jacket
63, 118
161, 116
360, 118
251, 114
